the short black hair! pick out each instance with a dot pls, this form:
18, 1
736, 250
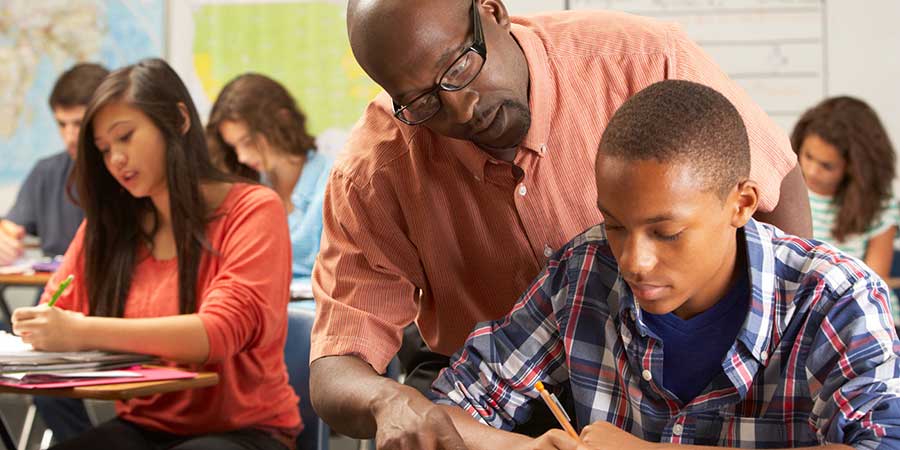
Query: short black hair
676, 121
76, 85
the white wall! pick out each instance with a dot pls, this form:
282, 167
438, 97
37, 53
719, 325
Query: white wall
522, 7
864, 56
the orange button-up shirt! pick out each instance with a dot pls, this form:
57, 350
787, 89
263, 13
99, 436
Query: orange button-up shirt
418, 226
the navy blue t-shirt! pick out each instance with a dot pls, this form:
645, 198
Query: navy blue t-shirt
43, 207
693, 349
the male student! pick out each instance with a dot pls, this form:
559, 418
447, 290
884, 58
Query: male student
42, 207
681, 319
469, 172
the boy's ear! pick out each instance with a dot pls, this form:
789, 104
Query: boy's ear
744, 200
185, 117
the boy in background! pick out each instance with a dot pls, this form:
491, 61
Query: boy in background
42, 207
682, 320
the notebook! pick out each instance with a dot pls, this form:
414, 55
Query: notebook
75, 379
17, 356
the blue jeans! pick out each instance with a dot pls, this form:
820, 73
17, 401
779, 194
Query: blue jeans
66, 417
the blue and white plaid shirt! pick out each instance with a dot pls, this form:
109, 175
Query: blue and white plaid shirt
815, 361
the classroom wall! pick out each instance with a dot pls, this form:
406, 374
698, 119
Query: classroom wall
861, 55
864, 58
861, 48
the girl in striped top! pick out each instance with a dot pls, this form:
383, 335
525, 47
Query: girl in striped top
848, 164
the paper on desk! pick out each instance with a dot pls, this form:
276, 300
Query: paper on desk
18, 267
29, 264
43, 381
17, 356
301, 288
12, 348
96, 374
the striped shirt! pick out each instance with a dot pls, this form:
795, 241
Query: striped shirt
824, 216
814, 362
418, 226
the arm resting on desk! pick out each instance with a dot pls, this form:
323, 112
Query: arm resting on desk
177, 338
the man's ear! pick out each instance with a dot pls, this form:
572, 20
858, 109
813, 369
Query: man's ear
743, 200
185, 117
497, 11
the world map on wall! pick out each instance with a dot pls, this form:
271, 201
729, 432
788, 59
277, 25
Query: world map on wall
41, 39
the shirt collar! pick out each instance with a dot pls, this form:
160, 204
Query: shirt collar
757, 329
541, 90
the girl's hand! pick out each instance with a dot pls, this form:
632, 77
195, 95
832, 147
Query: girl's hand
49, 329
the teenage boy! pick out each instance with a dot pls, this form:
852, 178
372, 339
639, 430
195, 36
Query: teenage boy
682, 320
42, 207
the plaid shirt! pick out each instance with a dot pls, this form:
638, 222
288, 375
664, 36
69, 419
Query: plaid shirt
815, 361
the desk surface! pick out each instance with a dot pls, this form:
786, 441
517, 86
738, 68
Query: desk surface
122, 391
34, 279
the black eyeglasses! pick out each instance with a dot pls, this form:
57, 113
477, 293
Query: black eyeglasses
461, 73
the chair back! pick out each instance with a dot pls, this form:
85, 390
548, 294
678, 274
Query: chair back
296, 356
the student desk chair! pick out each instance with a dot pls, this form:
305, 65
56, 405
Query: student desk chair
296, 356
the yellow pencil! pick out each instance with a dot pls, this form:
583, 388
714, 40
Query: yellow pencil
557, 410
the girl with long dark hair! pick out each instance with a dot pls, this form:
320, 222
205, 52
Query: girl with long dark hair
174, 259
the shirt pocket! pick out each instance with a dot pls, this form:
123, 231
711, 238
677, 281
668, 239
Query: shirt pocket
753, 432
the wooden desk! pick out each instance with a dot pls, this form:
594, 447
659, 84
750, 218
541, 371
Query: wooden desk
33, 279
120, 391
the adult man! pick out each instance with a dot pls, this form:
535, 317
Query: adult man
467, 174
42, 207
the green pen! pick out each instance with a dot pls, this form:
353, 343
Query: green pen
62, 287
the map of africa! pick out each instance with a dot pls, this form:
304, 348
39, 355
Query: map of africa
41, 39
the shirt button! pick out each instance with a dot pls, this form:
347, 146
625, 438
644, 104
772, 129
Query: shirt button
548, 251
677, 429
764, 355
647, 375
523, 190
633, 315
543, 148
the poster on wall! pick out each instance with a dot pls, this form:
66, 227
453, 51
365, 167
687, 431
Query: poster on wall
301, 43
41, 39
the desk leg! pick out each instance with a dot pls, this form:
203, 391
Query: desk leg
4, 306
5, 436
4, 429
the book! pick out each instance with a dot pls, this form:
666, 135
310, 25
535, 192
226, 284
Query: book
17, 356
